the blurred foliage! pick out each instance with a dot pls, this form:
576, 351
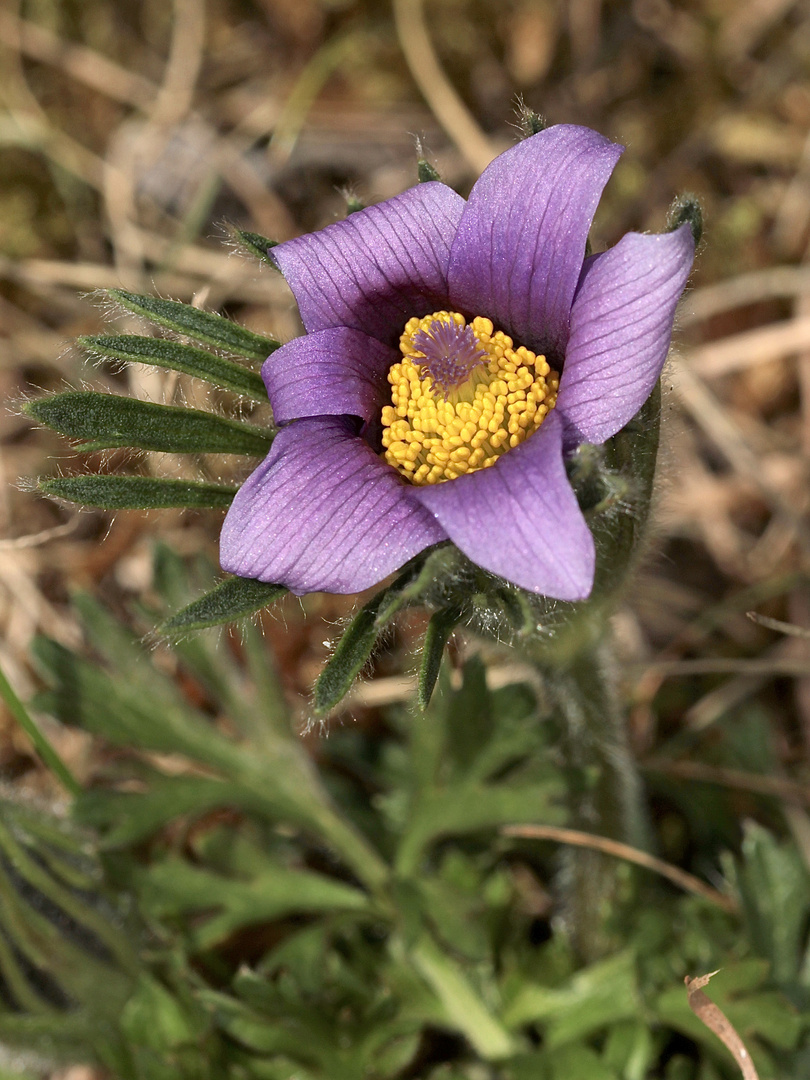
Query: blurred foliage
217, 908
230, 899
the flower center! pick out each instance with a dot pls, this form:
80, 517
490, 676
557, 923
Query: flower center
461, 396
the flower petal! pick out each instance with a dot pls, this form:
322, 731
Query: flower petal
520, 519
520, 244
323, 512
621, 325
377, 268
329, 373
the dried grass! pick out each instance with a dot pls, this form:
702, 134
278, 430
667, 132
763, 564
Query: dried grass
128, 140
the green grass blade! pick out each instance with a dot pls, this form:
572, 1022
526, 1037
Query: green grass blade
43, 748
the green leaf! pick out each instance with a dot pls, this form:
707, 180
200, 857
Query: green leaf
257, 245
350, 656
69, 934
175, 888
144, 709
418, 576
202, 326
185, 358
511, 743
302, 1036
425, 171
469, 717
461, 903
600, 995
464, 1008
577, 1062
461, 809
234, 598
101, 421
774, 888
630, 1049
40, 742
441, 626
154, 1018
127, 818
358, 640
136, 492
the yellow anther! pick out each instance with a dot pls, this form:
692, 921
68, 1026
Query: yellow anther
461, 396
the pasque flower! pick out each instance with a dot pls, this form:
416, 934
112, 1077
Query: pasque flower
455, 352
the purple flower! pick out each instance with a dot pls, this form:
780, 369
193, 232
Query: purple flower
456, 434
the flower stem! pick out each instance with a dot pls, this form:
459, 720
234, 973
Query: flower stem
605, 790
615, 485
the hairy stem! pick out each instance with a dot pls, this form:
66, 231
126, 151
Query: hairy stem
605, 790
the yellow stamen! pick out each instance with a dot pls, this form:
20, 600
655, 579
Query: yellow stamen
438, 431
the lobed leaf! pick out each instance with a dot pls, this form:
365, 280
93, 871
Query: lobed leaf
142, 710
175, 888
137, 492
100, 421
466, 1011
188, 359
127, 817
470, 717
595, 997
774, 889
202, 326
58, 942
472, 807
155, 1019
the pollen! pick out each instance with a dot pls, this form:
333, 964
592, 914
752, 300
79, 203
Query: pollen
462, 395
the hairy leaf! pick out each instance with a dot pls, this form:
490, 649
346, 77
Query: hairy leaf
128, 817
101, 421
188, 359
441, 626
257, 245
202, 326
141, 710
350, 656
136, 492
234, 598
425, 171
